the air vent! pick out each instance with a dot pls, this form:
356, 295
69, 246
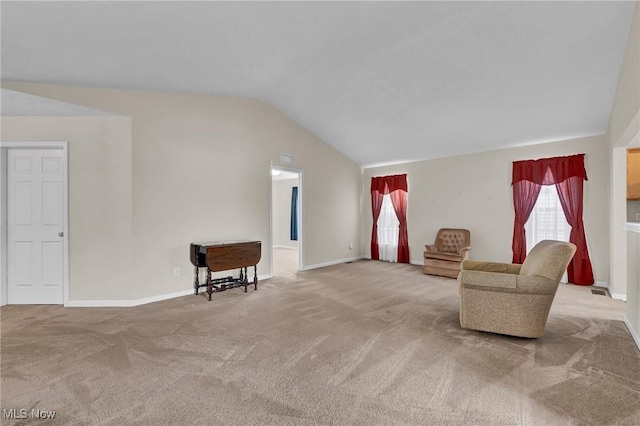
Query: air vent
287, 158
599, 292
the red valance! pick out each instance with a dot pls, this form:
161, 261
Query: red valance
549, 171
388, 184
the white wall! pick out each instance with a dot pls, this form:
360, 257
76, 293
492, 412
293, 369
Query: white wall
3, 227
623, 132
201, 171
627, 99
281, 193
474, 192
633, 281
100, 203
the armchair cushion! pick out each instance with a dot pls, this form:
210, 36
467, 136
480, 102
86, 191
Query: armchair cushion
452, 257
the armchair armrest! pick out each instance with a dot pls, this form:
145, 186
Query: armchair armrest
431, 247
534, 284
505, 268
492, 281
464, 252
505, 282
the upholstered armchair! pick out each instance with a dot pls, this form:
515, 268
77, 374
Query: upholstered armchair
445, 255
510, 298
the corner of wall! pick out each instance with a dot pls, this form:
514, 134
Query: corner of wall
3, 228
632, 332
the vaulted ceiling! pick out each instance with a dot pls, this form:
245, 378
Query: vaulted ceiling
380, 81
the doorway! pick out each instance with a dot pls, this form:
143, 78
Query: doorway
618, 280
34, 226
286, 222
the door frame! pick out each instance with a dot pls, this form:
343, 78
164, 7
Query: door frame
4, 147
300, 174
618, 285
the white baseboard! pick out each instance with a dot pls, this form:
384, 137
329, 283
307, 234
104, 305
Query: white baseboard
617, 296
331, 263
633, 333
286, 247
138, 302
126, 303
412, 262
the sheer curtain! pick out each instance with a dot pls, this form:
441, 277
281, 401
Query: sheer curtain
399, 201
525, 194
388, 231
547, 221
376, 207
570, 194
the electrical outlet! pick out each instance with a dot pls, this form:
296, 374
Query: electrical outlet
638, 217
350, 246
176, 272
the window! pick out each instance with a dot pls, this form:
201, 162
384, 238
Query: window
392, 191
547, 220
388, 231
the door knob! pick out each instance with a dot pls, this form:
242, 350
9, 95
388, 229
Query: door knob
60, 234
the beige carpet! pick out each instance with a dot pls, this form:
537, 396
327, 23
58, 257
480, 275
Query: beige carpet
285, 263
366, 343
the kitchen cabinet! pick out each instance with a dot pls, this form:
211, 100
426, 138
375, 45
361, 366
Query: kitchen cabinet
633, 174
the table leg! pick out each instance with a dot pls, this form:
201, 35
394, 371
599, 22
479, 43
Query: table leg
245, 278
196, 280
255, 277
209, 284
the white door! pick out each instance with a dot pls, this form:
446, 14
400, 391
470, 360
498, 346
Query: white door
35, 239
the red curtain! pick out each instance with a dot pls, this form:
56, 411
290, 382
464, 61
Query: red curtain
376, 206
568, 174
549, 171
389, 184
525, 195
397, 188
399, 201
570, 193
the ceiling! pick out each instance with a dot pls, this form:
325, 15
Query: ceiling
20, 104
382, 82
